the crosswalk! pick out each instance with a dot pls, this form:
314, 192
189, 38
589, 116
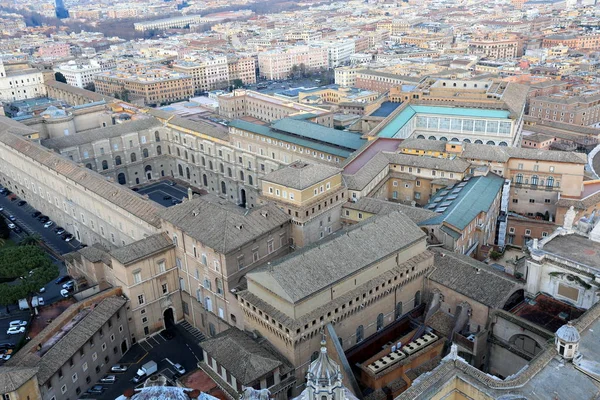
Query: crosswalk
195, 332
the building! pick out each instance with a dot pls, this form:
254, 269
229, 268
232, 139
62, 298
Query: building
497, 49
145, 271
360, 280
77, 348
339, 51
54, 50
208, 73
346, 76
216, 244
578, 110
589, 41
381, 81
63, 190
19, 383
242, 103
237, 361
149, 85
79, 75
20, 82
167, 23
277, 63
312, 194
242, 68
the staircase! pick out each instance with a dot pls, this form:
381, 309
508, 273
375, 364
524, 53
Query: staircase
193, 331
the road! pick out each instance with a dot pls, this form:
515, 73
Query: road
182, 349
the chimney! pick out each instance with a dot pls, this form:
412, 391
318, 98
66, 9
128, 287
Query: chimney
190, 193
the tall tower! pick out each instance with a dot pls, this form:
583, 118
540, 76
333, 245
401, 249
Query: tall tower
60, 10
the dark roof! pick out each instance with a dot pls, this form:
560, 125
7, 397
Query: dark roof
472, 278
220, 224
301, 175
142, 248
242, 356
314, 268
575, 248
17, 128
12, 378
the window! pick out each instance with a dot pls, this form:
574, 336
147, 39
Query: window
219, 286
270, 246
240, 262
534, 180
418, 183
520, 166
547, 201
515, 201
380, 322
137, 276
527, 232
519, 178
532, 201
144, 320
63, 389
164, 288
161, 266
74, 377
84, 366
360, 331
360, 215
141, 299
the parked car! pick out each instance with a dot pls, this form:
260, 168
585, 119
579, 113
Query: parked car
17, 323
42, 290
59, 231
69, 285
7, 345
67, 237
179, 368
43, 219
21, 203
171, 183
175, 201
5, 356
12, 217
62, 279
16, 229
109, 379
12, 197
40, 301
97, 389
48, 224
1, 208
15, 330
167, 197
118, 368
11, 225
64, 293
36, 214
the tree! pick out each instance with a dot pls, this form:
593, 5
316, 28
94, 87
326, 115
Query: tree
237, 83
90, 86
60, 77
32, 240
23, 271
4, 229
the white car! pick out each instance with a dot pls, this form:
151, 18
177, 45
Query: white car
69, 285
17, 323
118, 368
179, 368
109, 379
5, 357
42, 290
40, 301
64, 292
15, 330
48, 224
11, 225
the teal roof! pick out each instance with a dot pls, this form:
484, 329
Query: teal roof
307, 134
460, 203
406, 115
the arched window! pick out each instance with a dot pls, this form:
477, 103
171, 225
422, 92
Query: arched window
187, 172
158, 150
178, 152
169, 148
203, 162
444, 139
118, 160
193, 159
180, 168
398, 310
145, 153
467, 140
204, 180
88, 166
156, 136
431, 138
360, 332
186, 155
104, 164
519, 178
242, 176
478, 141
121, 178
550, 182
420, 137
380, 321
417, 298
223, 187
133, 157
229, 172
211, 329
221, 168
210, 165
503, 144
250, 180
534, 180
491, 143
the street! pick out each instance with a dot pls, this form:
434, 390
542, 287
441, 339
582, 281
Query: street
182, 349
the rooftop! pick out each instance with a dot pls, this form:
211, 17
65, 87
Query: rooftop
314, 268
301, 175
547, 312
379, 206
242, 356
575, 248
142, 248
221, 225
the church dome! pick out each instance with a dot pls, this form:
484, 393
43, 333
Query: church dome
323, 370
568, 333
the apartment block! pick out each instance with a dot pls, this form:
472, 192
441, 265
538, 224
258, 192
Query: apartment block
577, 110
278, 63
497, 49
79, 74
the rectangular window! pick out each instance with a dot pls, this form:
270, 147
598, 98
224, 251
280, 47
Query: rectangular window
164, 288
418, 183
270, 246
141, 299
161, 266
137, 276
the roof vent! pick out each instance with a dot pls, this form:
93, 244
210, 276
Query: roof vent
195, 213
264, 214
240, 226
563, 315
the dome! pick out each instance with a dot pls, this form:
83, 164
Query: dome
568, 333
54, 112
323, 370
